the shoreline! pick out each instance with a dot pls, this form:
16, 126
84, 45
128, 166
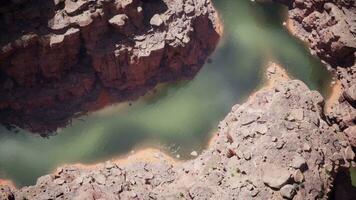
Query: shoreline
152, 172
150, 154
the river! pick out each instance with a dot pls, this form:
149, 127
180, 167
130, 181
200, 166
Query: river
180, 117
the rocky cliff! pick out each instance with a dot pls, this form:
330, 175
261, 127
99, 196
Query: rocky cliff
329, 29
59, 58
276, 145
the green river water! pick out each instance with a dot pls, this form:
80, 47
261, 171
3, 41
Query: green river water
179, 118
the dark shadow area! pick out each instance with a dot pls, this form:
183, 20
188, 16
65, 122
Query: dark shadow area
152, 7
28, 16
343, 189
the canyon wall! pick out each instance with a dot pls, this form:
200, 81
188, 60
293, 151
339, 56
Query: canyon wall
62, 58
329, 29
280, 144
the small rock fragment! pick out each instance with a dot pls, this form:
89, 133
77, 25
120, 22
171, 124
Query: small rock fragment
350, 132
306, 147
274, 139
59, 181
247, 156
230, 153
288, 191
194, 153
100, 179
350, 94
298, 162
280, 144
349, 153
297, 114
275, 177
298, 176
262, 129
156, 20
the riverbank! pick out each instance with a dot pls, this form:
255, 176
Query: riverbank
329, 33
274, 74
281, 126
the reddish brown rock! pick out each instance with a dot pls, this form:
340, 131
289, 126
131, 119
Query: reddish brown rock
57, 56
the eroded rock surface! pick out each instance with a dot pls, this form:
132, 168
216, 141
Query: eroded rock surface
329, 28
61, 57
275, 146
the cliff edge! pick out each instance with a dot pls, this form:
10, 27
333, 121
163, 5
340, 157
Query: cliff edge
61, 58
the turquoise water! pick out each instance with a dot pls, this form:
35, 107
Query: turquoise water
181, 117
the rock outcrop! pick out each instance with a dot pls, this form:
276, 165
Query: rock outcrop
59, 58
277, 145
329, 28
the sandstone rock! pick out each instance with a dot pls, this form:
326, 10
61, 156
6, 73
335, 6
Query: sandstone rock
194, 153
350, 94
349, 153
298, 162
59, 181
100, 179
298, 176
297, 114
156, 20
275, 177
351, 135
121, 24
306, 147
288, 191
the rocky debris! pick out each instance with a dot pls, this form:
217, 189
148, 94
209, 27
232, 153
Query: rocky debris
217, 174
59, 58
329, 28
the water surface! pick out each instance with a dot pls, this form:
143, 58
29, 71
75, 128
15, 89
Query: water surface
178, 118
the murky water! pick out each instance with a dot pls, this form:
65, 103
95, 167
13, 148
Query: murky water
181, 117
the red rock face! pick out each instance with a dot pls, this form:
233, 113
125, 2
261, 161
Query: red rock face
57, 56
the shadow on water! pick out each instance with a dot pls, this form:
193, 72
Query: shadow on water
181, 117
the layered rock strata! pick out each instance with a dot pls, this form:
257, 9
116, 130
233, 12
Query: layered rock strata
275, 146
59, 58
329, 29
